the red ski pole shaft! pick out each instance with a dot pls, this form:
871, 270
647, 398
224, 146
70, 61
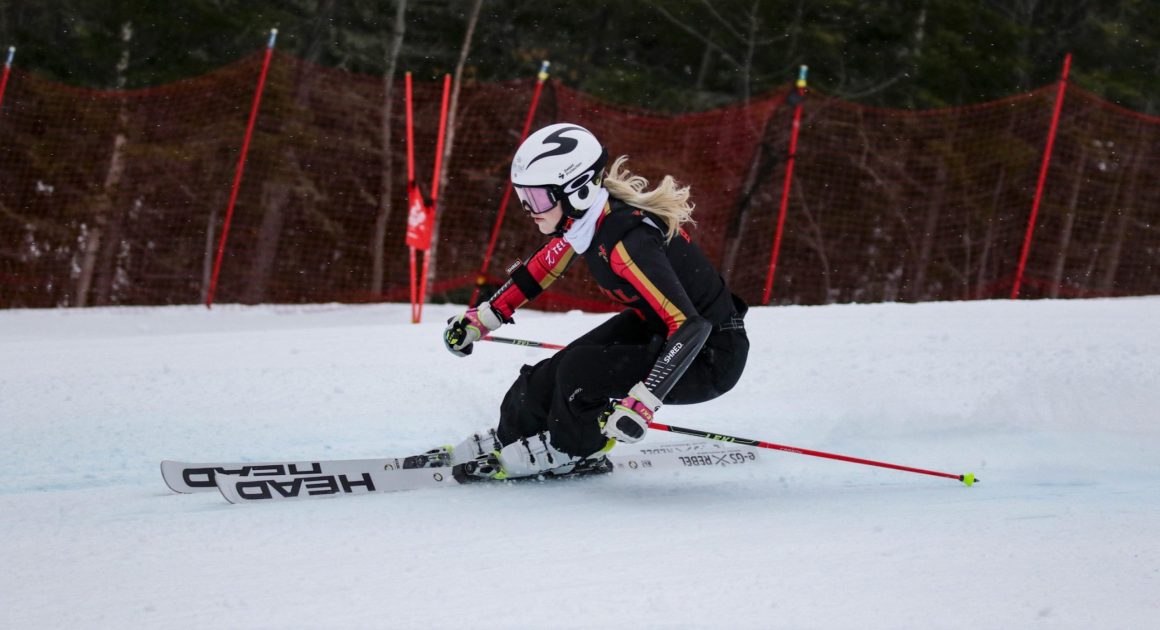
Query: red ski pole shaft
968, 478
524, 342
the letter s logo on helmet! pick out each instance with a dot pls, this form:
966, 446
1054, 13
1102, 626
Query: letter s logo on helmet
564, 144
565, 157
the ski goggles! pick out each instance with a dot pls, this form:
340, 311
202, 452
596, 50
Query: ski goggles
536, 199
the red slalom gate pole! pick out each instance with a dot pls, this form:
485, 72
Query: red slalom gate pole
7, 71
410, 188
968, 478
418, 314
217, 265
800, 88
507, 190
439, 141
1042, 178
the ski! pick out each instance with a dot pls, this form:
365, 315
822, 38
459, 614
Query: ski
372, 479
185, 477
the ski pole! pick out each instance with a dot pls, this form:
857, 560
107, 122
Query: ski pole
968, 478
524, 342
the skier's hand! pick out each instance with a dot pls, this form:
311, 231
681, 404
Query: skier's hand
627, 420
470, 327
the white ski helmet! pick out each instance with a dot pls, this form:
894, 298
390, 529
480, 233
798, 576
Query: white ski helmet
567, 160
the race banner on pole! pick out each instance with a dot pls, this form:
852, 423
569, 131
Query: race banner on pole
420, 220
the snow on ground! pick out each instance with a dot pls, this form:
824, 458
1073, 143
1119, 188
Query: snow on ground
1053, 404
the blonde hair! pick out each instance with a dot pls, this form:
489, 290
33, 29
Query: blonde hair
669, 200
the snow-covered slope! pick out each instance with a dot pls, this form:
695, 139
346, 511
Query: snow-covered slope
1052, 404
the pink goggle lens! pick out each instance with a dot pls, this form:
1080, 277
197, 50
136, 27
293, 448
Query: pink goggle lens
535, 200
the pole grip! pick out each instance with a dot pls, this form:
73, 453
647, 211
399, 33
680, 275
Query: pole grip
11, 54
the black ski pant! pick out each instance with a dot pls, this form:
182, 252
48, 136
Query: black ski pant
566, 393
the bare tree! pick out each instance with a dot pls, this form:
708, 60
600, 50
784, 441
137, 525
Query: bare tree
105, 199
378, 244
1124, 211
279, 192
1065, 230
449, 141
735, 41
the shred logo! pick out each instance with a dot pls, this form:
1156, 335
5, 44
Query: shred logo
564, 144
204, 477
672, 353
264, 489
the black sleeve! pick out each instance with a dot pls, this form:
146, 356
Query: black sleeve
678, 354
640, 258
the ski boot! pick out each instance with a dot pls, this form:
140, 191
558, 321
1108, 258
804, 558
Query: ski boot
445, 456
530, 457
476, 458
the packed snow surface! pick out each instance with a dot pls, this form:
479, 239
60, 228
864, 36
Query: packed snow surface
1053, 404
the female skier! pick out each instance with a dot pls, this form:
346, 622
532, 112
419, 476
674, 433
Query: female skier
680, 341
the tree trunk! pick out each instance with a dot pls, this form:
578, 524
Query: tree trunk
750, 46
815, 238
279, 191
989, 238
210, 251
276, 198
1108, 282
933, 210
449, 140
104, 201
759, 171
386, 191
1067, 227
703, 69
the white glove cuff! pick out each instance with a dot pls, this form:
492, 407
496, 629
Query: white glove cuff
487, 316
641, 393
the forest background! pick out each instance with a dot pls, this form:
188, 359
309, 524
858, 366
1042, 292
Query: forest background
900, 203
663, 55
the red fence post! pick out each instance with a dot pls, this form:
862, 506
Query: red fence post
799, 95
217, 265
1042, 178
507, 189
7, 71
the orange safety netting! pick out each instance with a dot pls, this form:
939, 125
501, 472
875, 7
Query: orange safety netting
118, 197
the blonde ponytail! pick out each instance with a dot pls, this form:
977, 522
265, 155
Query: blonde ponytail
669, 200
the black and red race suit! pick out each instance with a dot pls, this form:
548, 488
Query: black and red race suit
682, 335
